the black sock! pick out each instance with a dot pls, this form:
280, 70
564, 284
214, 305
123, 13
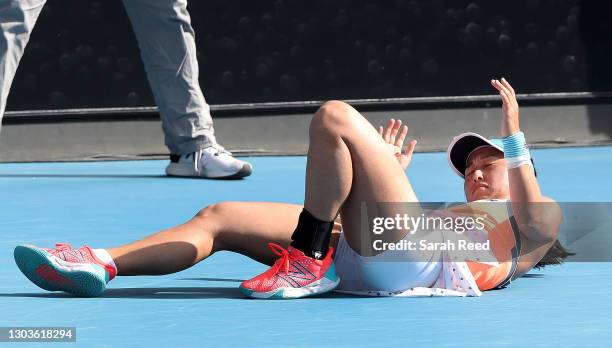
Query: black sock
312, 235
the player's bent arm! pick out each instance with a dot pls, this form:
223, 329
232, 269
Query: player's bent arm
538, 217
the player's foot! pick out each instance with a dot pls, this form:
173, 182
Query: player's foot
76, 271
213, 162
293, 275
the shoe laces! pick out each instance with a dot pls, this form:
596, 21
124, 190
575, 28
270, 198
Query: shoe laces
196, 159
67, 253
284, 262
220, 150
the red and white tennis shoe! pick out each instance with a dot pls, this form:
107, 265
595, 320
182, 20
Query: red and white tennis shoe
293, 275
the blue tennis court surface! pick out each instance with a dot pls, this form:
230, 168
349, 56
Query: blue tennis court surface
104, 204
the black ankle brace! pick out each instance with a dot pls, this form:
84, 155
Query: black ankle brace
312, 235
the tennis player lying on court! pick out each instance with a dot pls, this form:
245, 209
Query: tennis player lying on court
349, 162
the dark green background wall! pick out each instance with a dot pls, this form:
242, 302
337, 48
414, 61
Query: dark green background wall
83, 53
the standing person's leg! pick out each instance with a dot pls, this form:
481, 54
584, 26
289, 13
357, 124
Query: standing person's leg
17, 19
167, 46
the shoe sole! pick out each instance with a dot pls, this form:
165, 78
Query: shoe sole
85, 280
186, 172
289, 293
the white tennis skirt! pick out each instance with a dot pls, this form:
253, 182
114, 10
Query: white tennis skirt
391, 270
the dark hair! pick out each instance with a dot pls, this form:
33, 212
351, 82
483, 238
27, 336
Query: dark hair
556, 255
535, 172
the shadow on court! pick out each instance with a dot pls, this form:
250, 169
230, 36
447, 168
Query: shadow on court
107, 176
215, 280
172, 293
90, 176
169, 293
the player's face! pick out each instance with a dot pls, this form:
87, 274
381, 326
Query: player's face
486, 175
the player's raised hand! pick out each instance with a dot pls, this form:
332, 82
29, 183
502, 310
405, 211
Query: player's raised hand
510, 108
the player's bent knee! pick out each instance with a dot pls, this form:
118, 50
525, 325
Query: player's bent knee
332, 115
211, 219
206, 212
214, 210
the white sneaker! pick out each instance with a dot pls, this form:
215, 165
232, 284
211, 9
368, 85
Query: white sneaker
213, 162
